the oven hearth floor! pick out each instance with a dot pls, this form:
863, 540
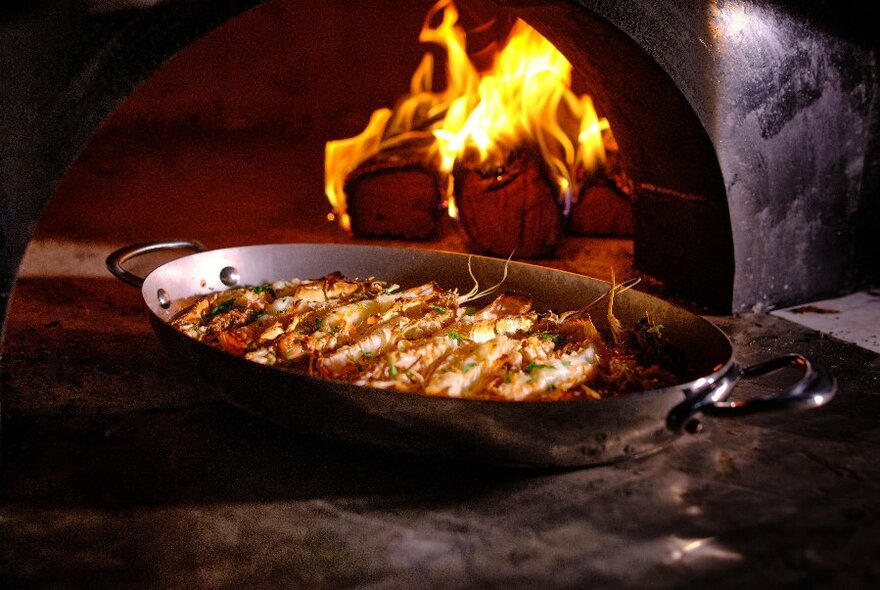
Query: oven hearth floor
119, 470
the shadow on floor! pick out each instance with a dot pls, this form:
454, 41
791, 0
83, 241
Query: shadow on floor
214, 453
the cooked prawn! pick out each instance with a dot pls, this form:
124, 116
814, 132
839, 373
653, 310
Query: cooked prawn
425, 339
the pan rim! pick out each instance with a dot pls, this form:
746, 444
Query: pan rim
149, 288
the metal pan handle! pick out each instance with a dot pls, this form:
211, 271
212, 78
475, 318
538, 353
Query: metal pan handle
815, 388
119, 257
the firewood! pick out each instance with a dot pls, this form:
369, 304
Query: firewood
509, 208
601, 210
395, 194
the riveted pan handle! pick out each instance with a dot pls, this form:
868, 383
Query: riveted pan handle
119, 257
815, 388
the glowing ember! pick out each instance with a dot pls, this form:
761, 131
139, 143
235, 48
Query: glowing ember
524, 99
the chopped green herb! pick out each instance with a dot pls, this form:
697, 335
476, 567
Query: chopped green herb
566, 363
392, 368
508, 377
440, 309
222, 307
557, 339
533, 365
411, 377
318, 322
264, 287
366, 354
455, 336
470, 310
468, 366
655, 329
334, 329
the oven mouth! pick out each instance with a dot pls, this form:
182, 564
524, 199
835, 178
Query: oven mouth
674, 199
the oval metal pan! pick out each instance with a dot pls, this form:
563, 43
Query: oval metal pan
574, 433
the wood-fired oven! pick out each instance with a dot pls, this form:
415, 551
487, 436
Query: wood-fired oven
747, 136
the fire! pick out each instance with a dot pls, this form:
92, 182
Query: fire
340, 158
525, 98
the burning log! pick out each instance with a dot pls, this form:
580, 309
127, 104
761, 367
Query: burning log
603, 206
395, 194
509, 208
602, 210
534, 135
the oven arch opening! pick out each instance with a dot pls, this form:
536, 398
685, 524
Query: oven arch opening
664, 176
127, 41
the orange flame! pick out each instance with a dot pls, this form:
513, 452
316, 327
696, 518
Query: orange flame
340, 158
524, 98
